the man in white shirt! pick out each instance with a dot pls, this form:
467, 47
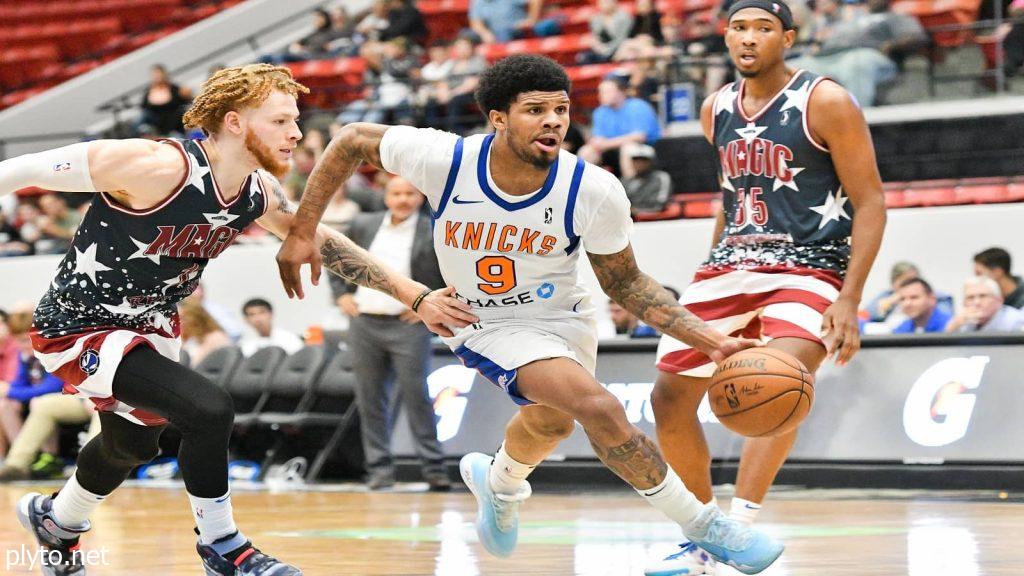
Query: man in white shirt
390, 346
259, 315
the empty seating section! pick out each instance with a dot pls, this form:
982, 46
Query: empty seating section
288, 393
45, 43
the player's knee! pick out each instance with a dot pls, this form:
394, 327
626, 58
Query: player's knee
215, 412
554, 429
132, 450
602, 410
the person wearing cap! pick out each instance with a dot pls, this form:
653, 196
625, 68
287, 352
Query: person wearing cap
648, 189
802, 218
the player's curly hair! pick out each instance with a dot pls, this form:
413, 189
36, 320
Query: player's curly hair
237, 88
502, 83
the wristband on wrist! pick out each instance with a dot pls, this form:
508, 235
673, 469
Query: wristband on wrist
419, 299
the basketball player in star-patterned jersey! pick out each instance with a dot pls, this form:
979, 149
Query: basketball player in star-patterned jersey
789, 257
108, 325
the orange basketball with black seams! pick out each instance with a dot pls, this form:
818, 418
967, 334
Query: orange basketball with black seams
761, 392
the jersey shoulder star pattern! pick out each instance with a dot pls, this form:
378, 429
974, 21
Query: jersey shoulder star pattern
783, 201
129, 268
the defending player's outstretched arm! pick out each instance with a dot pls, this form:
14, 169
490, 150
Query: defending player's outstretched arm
642, 295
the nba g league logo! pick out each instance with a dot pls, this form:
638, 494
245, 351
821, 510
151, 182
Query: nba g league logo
89, 361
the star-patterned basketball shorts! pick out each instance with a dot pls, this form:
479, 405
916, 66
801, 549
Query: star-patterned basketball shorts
760, 303
87, 362
498, 348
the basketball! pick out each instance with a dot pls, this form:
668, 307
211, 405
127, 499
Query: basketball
761, 392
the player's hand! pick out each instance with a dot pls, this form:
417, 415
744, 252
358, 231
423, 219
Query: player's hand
409, 317
840, 330
440, 309
729, 346
296, 251
347, 303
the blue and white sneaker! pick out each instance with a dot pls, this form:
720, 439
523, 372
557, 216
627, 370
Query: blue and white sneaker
733, 543
690, 560
497, 516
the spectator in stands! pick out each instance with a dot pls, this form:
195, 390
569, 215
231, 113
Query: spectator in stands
644, 36
303, 161
573, 139
626, 324
340, 211
918, 303
38, 436
865, 50
319, 42
386, 337
162, 105
1013, 42
362, 191
26, 217
457, 94
200, 333
609, 28
883, 312
503, 20
433, 74
259, 315
225, 318
648, 189
984, 311
388, 77
57, 224
11, 242
31, 380
995, 263
618, 121
374, 22
404, 21
10, 353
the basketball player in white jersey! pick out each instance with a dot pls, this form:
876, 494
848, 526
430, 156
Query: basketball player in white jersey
512, 212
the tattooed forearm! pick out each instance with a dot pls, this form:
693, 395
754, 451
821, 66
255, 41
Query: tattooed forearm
284, 205
354, 144
645, 298
346, 259
638, 461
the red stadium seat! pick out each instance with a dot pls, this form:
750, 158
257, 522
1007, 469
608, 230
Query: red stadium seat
701, 208
560, 48
985, 194
934, 13
672, 211
929, 196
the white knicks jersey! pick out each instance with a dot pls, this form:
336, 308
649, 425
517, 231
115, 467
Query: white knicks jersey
510, 257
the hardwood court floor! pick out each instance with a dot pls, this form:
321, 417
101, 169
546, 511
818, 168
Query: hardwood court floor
148, 531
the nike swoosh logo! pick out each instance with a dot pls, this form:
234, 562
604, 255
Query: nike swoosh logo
223, 499
577, 304
749, 507
457, 200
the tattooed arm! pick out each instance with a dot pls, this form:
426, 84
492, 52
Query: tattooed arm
637, 292
346, 259
354, 144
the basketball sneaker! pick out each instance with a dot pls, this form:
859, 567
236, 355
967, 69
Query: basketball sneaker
690, 560
245, 560
35, 512
733, 543
497, 516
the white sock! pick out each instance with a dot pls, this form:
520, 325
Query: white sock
213, 517
744, 511
74, 504
673, 499
507, 475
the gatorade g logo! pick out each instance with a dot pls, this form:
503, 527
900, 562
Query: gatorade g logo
448, 387
89, 361
938, 411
